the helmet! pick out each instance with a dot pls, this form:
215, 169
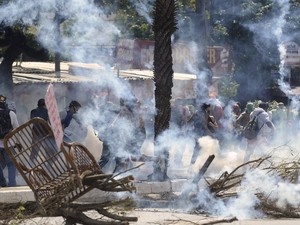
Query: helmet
249, 107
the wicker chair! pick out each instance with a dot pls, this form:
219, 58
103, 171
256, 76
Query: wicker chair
57, 176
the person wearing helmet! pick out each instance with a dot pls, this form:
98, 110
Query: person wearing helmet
8, 122
244, 117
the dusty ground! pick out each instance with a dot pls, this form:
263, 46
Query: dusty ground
171, 217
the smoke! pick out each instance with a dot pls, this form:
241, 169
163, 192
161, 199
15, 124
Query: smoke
201, 89
143, 7
86, 28
277, 190
81, 32
280, 23
274, 27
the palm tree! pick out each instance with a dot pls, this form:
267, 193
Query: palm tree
164, 25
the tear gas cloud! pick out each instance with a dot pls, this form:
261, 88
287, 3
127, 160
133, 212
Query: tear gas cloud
85, 30
143, 7
200, 87
89, 27
231, 155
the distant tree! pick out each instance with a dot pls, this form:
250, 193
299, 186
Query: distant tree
14, 41
251, 67
254, 59
134, 25
227, 88
128, 18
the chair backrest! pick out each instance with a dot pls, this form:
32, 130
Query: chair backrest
83, 158
51, 172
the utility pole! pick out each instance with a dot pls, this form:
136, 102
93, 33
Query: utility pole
203, 71
58, 19
201, 23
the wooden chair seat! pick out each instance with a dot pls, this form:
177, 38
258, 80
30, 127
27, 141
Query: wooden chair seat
60, 175
54, 174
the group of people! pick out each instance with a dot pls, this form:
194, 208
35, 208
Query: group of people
226, 124
122, 131
123, 123
9, 121
208, 119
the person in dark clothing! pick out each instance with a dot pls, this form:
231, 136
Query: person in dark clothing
73, 109
242, 120
39, 112
127, 134
204, 124
175, 119
72, 126
8, 122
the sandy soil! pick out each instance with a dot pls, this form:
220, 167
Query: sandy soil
171, 217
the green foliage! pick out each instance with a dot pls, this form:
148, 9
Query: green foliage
18, 216
131, 24
186, 5
256, 10
20, 212
273, 105
227, 87
220, 30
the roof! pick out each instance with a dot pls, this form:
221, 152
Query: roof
148, 74
71, 72
41, 72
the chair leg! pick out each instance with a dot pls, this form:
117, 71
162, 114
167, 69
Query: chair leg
70, 221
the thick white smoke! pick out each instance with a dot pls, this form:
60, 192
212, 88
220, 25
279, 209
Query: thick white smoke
283, 147
85, 28
144, 8
83, 31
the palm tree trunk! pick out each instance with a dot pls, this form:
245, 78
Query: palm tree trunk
164, 25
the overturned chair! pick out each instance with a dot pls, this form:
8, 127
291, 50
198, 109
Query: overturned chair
59, 176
